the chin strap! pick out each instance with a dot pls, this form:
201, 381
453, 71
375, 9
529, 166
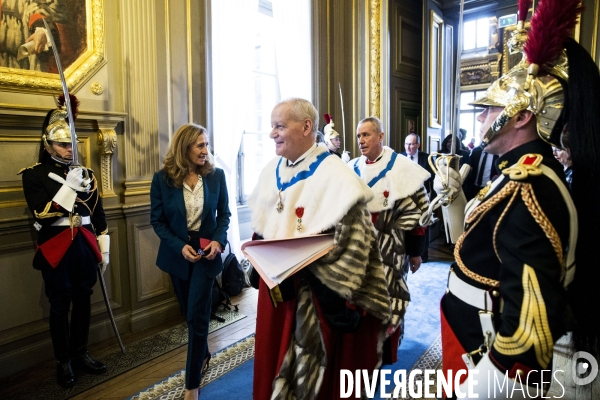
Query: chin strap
518, 103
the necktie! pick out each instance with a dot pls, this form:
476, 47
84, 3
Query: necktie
481, 169
411, 158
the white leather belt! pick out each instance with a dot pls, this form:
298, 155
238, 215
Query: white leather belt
471, 295
65, 221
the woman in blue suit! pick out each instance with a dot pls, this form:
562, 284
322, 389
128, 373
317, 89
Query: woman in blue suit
189, 201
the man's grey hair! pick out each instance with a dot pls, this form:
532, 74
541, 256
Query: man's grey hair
302, 109
415, 135
376, 122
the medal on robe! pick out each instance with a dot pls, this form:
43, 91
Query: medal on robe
279, 203
386, 194
299, 214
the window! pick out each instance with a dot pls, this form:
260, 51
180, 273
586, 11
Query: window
468, 116
257, 148
255, 63
280, 33
476, 34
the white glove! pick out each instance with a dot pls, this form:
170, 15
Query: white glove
76, 180
67, 194
447, 180
104, 246
65, 197
345, 156
486, 378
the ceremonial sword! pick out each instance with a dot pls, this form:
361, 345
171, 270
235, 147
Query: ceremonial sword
344, 152
459, 46
75, 163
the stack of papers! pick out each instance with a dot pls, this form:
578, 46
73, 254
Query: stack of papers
277, 259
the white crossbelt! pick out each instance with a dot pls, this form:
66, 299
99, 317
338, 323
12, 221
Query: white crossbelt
471, 295
64, 221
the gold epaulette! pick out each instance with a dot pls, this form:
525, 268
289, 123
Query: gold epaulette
528, 165
30, 167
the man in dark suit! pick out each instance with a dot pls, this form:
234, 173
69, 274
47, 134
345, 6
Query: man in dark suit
483, 170
412, 144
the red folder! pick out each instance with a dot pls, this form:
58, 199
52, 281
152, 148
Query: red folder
204, 243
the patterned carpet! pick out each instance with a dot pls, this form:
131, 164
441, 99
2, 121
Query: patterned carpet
220, 364
137, 353
431, 359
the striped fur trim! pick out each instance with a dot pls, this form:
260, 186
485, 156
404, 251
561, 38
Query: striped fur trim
354, 270
391, 228
301, 373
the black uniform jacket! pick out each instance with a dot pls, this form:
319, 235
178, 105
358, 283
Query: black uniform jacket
513, 250
39, 190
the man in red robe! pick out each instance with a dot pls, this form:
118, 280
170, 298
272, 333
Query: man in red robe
333, 314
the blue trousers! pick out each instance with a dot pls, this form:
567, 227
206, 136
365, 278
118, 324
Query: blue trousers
194, 297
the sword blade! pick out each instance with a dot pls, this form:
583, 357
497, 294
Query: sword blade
343, 117
65, 90
456, 107
109, 310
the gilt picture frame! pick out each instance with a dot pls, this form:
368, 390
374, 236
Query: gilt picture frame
436, 60
510, 60
77, 27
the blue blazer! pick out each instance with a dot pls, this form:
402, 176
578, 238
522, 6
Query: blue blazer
168, 218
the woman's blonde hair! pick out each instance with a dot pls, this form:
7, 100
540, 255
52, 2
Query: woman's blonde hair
177, 163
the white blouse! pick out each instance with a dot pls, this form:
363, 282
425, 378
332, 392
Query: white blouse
194, 203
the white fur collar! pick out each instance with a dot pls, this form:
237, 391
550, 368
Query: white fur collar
403, 179
326, 196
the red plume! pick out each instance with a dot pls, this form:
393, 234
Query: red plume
74, 103
524, 9
327, 118
551, 24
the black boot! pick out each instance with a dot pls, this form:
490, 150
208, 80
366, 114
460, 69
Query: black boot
80, 327
81, 360
64, 374
59, 331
